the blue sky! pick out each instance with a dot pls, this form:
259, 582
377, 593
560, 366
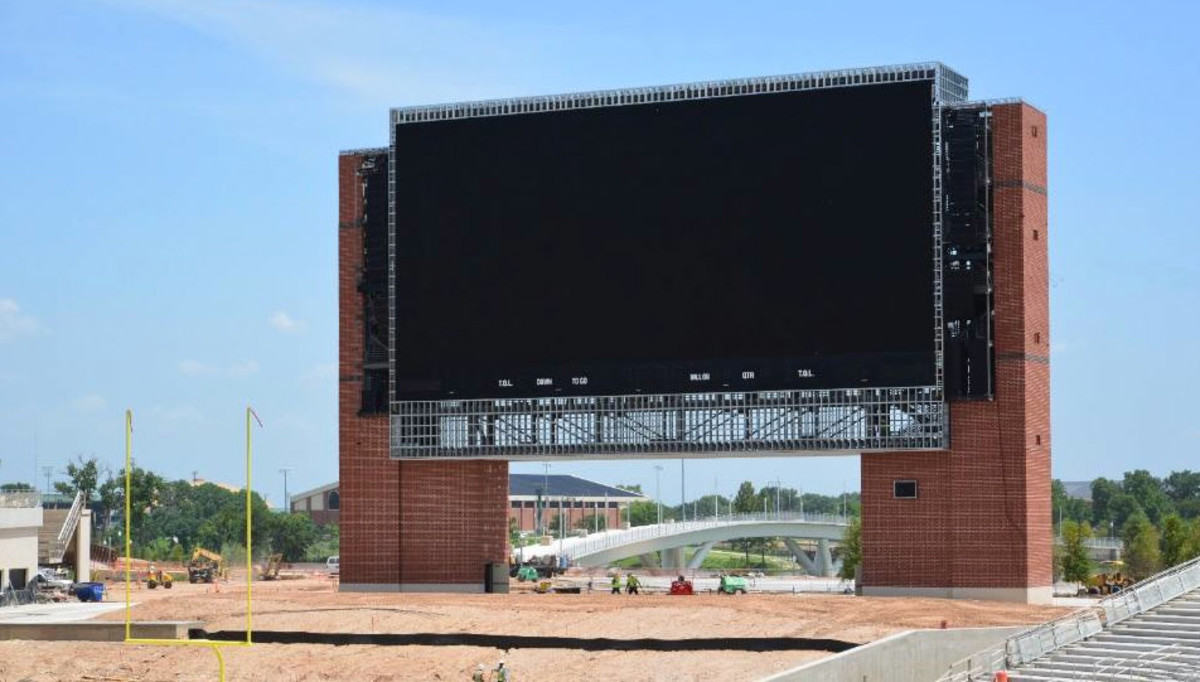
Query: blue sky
168, 202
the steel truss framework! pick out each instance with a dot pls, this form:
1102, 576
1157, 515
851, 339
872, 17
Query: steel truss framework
847, 420
694, 423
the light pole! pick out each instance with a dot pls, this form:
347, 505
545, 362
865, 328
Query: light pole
682, 491
658, 491
287, 502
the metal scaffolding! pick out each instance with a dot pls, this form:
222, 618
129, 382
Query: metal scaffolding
699, 424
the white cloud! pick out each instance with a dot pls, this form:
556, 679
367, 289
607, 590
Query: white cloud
284, 322
236, 370
89, 403
381, 54
14, 323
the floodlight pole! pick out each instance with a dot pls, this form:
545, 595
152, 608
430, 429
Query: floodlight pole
682, 491
657, 493
250, 414
287, 501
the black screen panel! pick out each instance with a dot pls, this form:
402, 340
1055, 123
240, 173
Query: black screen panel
765, 242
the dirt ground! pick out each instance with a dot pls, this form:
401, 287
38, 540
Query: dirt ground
312, 605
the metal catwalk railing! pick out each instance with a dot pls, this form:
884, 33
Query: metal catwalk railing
852, 420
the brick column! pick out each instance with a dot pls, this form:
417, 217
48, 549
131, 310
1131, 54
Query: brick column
405, 526
981, 524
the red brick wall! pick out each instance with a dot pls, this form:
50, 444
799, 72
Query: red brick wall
982, 518
401, 522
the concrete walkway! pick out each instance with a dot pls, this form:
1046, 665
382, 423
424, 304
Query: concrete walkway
65, 612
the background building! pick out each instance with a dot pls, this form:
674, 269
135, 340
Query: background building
576, 498
20, 521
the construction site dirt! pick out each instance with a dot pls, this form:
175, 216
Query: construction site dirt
333, 635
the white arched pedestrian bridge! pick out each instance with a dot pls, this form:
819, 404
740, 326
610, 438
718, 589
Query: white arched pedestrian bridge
601, 549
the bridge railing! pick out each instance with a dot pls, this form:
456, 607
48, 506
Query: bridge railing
610, 539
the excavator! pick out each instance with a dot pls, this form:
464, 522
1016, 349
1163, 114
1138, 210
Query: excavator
271, 570
205, 566
1110, 580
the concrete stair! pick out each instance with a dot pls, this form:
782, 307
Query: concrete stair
1162, 643
52, 524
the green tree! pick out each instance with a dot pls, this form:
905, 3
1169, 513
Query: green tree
1149, 493
147, 489
641, 513
1075, 563
1123, 507
1192, 549
291, 534
514, 532
327, 544
84, 475
1142, 554
1176, 537
17, 487
1183, 487
747, 501
851, 549
1103, 490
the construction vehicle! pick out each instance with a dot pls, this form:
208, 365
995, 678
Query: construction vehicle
158, 577
537, 567
205, 566
732, 584
271, 569
546, 586
682, 586
1110, 580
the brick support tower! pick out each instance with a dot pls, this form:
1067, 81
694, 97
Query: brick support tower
980, 526
405, 526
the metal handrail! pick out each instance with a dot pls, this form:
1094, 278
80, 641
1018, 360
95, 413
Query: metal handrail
1038, 641
614, 538
1145, 595
58, 547
1097, 543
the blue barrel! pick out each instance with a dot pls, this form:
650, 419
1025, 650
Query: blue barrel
89, 591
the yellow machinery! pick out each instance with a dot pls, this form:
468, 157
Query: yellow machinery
205, 566
158, 577
271, 569
1111, 580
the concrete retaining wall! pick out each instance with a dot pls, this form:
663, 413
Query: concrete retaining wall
97, 631
911, 656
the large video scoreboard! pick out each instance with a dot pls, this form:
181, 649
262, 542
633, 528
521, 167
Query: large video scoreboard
593, 273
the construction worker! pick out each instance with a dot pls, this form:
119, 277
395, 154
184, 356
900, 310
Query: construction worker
616, 583
502, 674
478, 675
631, 584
